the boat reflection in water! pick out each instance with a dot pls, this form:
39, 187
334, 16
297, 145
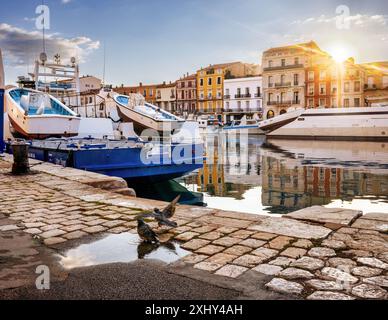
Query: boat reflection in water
249, 174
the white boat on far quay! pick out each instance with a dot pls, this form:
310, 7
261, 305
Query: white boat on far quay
364, 124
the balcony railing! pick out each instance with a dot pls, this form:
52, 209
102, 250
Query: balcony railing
227, 96
279, 103
257, 95
282, 84
284, 67
295, 101
242, 96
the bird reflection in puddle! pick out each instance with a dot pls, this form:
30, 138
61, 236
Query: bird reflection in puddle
144, 249
121, 248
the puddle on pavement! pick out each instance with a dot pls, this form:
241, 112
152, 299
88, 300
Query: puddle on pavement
122, 248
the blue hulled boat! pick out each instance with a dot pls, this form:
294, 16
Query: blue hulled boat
132, 160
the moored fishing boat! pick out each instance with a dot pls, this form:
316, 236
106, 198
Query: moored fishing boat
145, 115
37, 115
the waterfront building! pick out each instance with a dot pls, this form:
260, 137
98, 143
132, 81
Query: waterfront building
147, 91
210, 84
333, 85
376, 83
186, 95
88, 83
243, 97
284, 77
166, 96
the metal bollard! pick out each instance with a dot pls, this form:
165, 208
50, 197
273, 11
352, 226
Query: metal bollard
20, 157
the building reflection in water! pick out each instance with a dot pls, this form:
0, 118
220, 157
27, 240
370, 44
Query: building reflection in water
287, 189
295, 176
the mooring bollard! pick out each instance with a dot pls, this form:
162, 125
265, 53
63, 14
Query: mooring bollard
20, 157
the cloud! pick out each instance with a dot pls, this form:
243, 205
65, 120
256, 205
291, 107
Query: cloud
20, 46
66, 1
357, 20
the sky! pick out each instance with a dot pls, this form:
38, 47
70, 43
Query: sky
152, 41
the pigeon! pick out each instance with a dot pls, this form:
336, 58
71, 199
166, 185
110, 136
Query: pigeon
163, 217
146, 233
162, 220
169, 211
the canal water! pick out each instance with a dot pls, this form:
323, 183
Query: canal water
247, 173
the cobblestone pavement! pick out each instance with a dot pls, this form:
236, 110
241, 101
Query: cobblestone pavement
315, 253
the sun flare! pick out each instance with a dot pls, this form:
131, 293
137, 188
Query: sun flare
340, 53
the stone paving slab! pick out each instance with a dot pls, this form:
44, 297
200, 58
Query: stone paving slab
291, 228
326, 215
381, 226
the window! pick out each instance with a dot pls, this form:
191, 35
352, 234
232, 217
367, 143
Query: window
247, 105
322, 102
201, 82
258, 104
283, 62
247, 93
227, 92
270, 96
282, 79
270, 81
311, 90
334, 102
102, 106
282, 97
151, 92
144, 93
219, 80
296, 79
209, 81
311, 103
357, 86
258, 92
239, 105
283, 111
270, 63
90, 99
346, 103
311, 76
357, 102
227, 105
296, 61
238, 92
334, 88
322, 88
346, 87
296, 97
322, 75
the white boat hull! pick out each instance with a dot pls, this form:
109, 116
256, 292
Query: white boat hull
40, 126
337, 124
143, 122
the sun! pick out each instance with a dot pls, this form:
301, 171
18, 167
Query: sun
340, 53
